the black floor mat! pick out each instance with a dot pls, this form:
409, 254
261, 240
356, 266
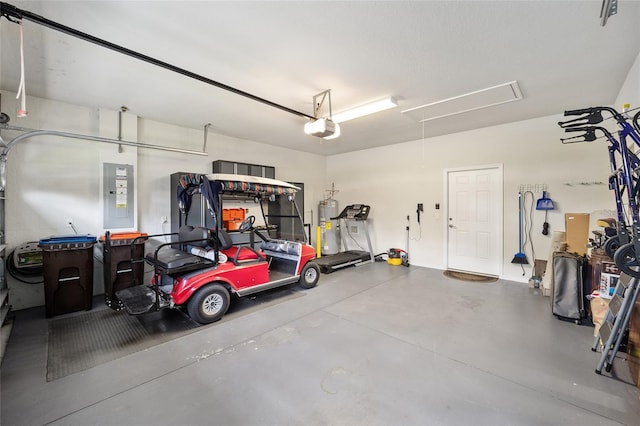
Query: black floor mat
81, 341
77, 343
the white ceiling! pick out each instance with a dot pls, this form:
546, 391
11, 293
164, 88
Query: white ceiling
286, 52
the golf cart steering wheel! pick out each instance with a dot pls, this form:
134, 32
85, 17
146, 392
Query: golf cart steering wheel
247, 223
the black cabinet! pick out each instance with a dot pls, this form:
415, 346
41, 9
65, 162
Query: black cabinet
236, 168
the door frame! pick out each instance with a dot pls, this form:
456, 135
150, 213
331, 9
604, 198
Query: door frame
500, 210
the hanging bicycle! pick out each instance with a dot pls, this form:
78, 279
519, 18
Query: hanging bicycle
624, 178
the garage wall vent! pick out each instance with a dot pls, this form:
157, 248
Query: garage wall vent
472, 101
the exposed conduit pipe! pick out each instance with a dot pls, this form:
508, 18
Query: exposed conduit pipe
122, 109
206, 130
31, 133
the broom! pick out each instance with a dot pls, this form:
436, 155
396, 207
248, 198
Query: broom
520, 257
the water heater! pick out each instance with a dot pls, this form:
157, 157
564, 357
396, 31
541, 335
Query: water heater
329, 234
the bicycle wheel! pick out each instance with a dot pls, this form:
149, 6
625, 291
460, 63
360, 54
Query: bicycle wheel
612, 245
627, 261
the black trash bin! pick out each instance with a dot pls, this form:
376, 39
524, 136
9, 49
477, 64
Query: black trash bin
123, 263
68, 273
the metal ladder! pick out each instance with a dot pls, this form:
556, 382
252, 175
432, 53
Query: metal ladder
616, 321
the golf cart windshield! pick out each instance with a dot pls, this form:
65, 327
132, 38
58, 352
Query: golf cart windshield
282, 219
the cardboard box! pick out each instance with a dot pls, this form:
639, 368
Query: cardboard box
577, 232
609, 276
608, 284
599, 308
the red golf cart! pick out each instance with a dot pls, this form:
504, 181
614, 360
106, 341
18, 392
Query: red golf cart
203, 267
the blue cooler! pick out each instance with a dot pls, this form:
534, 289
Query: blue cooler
68, 273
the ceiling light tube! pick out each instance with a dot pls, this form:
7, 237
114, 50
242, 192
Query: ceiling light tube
367, 109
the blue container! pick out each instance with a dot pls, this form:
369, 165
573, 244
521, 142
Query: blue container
73, 241
68, 273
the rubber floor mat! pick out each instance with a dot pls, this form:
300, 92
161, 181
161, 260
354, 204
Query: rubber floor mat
82, 341
79, 342
469, 277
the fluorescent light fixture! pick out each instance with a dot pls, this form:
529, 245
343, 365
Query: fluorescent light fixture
367, 109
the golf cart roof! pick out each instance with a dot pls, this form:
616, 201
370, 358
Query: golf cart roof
251, 184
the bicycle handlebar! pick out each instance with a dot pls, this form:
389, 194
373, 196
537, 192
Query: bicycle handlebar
588, 136
579, 111
593, 116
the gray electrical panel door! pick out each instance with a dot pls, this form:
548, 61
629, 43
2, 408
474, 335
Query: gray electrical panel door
118, 196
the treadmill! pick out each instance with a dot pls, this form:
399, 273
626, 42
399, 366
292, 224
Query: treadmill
333, 262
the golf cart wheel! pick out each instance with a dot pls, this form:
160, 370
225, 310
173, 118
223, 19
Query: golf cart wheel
310, 276
626, 259
208, 304
611, 245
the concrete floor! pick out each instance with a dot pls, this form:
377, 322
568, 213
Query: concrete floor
372, 345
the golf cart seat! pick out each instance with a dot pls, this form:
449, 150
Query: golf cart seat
242, 254
170, 260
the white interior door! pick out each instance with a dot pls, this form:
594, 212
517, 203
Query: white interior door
474, 222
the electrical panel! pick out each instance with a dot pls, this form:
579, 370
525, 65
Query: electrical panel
118, 196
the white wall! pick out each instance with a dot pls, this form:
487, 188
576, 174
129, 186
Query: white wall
630, 91
52, 179
393, 179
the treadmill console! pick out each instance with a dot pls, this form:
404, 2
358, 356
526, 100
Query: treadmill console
354, 212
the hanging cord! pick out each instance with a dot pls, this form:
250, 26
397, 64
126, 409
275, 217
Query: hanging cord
419, 223
28, 275
528, 226
22, 112
419, 233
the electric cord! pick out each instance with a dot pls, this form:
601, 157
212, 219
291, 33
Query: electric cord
22, 94
24, 274
419, 232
